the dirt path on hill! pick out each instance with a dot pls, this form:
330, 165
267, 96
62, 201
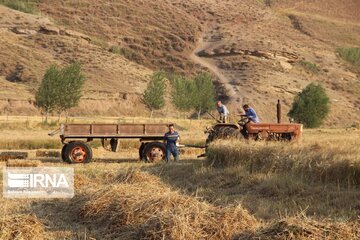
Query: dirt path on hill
226, 90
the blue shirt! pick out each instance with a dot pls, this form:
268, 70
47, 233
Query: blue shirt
223, 110
171, 138
251, 114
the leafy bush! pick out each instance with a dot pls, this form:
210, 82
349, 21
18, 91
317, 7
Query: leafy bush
155, 91
183, 92
309, 66
60, 89
26, 6
204, 98
351, 55
311, 106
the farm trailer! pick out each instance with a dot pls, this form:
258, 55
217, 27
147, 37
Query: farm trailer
75, 137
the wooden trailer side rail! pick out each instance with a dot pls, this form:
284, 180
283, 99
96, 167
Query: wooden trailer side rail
113, 130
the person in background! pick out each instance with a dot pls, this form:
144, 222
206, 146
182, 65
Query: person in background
171, 139
223, 112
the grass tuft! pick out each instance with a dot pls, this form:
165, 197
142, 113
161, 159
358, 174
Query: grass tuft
351, 54
309, 66
26, 6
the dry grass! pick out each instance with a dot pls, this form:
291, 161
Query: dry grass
21, 227
338, 163
306, 190
127, 210
23, 163
303, 228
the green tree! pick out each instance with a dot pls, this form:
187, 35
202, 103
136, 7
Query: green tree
311, 106
71, 81
183, 92
60, 89
155, 92
46, 97
204, 96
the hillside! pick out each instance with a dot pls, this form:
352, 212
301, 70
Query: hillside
258, 51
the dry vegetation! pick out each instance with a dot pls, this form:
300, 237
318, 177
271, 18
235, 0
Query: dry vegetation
243, 190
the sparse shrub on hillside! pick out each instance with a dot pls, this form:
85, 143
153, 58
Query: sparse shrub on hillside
115, 49
309, 66
127, 53
99, 42
311, 106
60, 89
26, 6
155, 91
205, 93
351, 55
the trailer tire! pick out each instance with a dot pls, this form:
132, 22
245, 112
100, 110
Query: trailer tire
63, 153
78, 152
141, 152
154, 152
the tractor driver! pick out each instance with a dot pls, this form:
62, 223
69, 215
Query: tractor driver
252, 118
250, 114
171, 139
223, 112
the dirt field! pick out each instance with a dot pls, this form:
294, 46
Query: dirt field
304, 190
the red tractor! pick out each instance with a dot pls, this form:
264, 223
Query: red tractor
256, 131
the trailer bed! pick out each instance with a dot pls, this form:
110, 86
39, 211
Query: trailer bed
76, 150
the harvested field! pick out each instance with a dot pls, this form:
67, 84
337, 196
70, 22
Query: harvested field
21, 226
156, 212
243, 190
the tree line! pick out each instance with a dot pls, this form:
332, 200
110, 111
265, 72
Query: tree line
61, 90
196, 93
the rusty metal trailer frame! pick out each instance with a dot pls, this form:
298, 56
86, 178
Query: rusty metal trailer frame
77, 151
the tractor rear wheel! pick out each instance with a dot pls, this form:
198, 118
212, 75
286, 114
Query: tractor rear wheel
225, 132
78, 152
154, 152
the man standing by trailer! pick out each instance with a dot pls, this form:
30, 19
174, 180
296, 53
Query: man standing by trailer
223, 112
171, 139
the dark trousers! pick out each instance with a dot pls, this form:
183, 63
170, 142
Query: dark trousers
172, 150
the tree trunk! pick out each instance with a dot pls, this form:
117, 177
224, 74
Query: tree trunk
151, 113
199, 114
66, 116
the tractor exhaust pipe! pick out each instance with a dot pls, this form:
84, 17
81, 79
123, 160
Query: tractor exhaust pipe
278, 111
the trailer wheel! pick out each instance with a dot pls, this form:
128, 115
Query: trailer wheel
141, 152
78, 152
63, 153
154, 152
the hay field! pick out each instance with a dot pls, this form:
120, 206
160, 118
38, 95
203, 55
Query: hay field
242, 190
